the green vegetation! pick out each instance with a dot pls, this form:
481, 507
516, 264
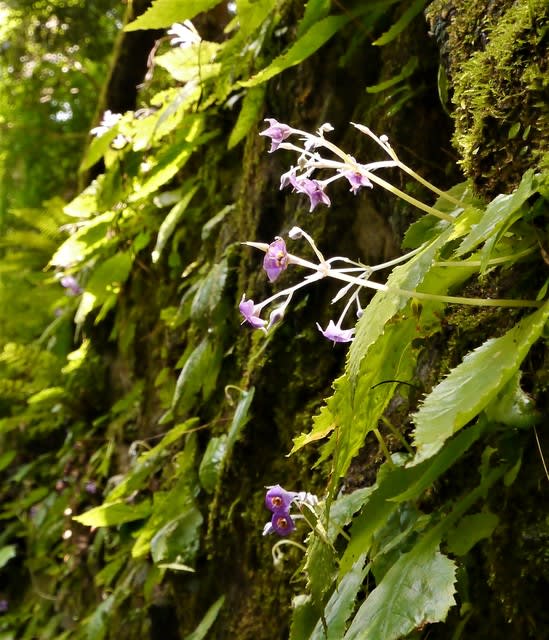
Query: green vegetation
140, 422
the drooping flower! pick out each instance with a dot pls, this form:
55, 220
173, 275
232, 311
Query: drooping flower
250, 313
185, 34
312, 188
276, 259
278, 499
357, 181
71, 285
335, 333
282, 523
277, 132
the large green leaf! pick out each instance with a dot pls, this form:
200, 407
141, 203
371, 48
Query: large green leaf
319, 33
417, 589
473, 384
163, 13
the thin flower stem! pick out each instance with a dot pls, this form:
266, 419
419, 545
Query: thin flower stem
392, 154
404, 196
292, 543
476, 302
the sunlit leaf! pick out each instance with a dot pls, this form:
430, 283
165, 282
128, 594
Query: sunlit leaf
114, 513
163, 13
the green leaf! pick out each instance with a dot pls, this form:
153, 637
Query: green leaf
114, 513
417, 589
95, 626
248, 116
199, 373
470, 530
178, 540
81, 244
304, 617
207, 621
104, 284
6, 554
311, 41
209, 292
251, 14
190, 63
172, 219
406, 72
499, 213
163, 13
320, 567
6, 459
513, 407
97, 148
147, 463
450, 453
473, 384
212, 462
174, 156
411, 12
323, 424
315, 10
341, 603
385, 304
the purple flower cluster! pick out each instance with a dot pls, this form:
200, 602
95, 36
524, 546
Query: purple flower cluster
279, 501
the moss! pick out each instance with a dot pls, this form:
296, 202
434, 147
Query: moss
496, 60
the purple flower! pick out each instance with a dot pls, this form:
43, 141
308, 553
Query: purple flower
4, 606
357, 180
276, 259
71, 285
249, 311
278, 500
277, 132
335, 333
282, 523
313, 188
91, 487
